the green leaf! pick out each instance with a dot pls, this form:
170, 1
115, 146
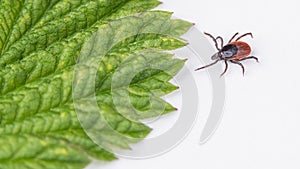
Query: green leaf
31, 151
45, 46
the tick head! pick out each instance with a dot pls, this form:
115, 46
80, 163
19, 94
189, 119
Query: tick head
216, 56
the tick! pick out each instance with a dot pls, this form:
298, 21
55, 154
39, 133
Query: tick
234, 51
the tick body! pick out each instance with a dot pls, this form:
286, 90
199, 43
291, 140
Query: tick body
234, 51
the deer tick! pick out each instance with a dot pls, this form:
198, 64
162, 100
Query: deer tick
234, 51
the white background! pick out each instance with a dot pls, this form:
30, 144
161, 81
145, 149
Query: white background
261, 122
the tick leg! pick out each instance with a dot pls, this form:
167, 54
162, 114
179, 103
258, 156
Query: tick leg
207, 65
244, 36
233, 37
214, 39
221, 39
238, 63
226, 67
250, 57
